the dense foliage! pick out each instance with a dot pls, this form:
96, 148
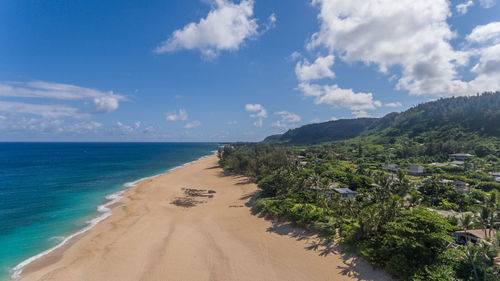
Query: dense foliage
389, 222
437, 128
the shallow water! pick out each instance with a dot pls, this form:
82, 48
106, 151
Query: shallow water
50, 190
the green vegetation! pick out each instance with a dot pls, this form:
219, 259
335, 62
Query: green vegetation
391, 221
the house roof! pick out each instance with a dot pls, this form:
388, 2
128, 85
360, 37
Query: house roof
344, 191
479, 232
461, 155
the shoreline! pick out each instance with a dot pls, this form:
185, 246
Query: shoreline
104, 211
195, 223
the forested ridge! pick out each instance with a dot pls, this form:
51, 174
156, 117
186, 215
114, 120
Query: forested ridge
459, 116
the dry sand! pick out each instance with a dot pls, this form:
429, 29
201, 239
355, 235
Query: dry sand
195, 223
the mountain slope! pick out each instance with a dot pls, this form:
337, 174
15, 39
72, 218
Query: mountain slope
442, 118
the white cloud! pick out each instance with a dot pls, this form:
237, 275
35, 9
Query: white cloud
258, 123
463, 8
225, 28
333, 118
319, 69
105, 104
334, 95
420, 46
487, 3
192, 125
393, 104
124, 129
271, 23
233, 122
82, 127
295, 56
2, 118
102, 101
44, 110
137, 124
180, 116
260, 113
287, 119
485, 33
360, 114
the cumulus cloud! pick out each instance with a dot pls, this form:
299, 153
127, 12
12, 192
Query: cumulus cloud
102, 101
360, 114
225, 28
287, 119
463, 8
485, 33
356, 31
319, 69
105, 104
259, 109
192, 125
487, 3
336, 96
393, 104
177, 116
259, 112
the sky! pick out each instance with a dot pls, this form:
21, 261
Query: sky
223, 70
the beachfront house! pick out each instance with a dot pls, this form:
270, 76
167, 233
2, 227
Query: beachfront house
391, 167
473, 235
496, 176
328, 190
460, 156
460, 186
415, 170
345, 193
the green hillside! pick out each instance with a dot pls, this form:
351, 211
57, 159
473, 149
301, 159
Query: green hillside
447, 118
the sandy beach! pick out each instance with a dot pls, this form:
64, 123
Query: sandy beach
195, 223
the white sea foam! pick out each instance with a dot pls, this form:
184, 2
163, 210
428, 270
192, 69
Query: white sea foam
104, 209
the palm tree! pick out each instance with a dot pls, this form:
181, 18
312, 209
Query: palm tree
466, 221
470, 255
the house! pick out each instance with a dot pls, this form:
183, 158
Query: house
496, 176
328, 191
391, 167
345, 193
415, 170
460, 156
473, 235
456, 163
459, 185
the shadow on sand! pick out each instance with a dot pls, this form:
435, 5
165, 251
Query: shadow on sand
353, 265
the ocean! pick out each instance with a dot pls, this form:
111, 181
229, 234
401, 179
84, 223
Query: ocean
49, 191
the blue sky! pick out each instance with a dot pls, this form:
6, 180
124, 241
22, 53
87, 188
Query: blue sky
221, 70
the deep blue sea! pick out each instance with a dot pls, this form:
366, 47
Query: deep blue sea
49, 191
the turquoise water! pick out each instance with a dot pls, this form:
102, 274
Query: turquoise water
49, 191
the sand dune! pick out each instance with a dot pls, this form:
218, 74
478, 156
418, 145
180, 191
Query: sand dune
195, 223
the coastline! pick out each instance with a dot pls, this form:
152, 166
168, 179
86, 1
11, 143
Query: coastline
194, 223
104, 211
